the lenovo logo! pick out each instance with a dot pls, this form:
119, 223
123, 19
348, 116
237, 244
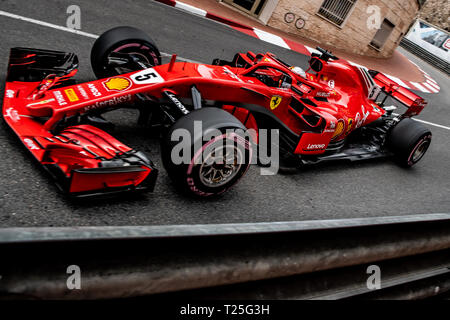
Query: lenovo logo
315, 146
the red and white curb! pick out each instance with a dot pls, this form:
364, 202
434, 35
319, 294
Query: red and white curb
428, 86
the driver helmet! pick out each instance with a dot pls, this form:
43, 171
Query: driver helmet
299, 71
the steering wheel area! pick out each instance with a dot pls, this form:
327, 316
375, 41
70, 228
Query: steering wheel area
272, 77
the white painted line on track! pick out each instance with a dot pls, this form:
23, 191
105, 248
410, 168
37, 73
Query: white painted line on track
90, 35
432, 124
78, 32
46, 24
164, 54
427, 122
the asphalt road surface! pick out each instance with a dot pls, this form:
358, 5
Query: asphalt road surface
28, 196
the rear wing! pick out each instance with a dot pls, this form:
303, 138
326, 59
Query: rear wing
412, 101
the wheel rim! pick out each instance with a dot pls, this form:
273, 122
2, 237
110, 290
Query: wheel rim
420, 150
220, 166
138, 49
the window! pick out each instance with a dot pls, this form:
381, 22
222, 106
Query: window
382, 34
336, 11
252, 7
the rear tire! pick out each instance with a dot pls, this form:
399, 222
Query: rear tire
409, 140
122, 40
197, 177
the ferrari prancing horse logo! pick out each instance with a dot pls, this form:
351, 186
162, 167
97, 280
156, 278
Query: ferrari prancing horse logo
275, 102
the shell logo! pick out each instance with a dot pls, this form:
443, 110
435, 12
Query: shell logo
117, 84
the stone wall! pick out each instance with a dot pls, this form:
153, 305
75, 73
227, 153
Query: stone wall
437, 12
354, 35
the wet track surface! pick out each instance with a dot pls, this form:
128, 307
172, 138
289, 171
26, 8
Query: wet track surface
28, 196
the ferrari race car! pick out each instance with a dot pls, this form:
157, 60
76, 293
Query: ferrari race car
331, 111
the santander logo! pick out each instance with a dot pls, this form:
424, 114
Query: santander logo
30, 144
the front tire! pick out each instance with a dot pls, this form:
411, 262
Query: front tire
122, 40
213, 166
409, 141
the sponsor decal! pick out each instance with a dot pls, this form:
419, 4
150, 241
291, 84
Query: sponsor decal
339, 128
13, 114
331, 127
232, 75
305, 88
41, 102
83, 92
30, 144
117, 84
205, 71
374, 93
60, 98
323, 94
70, 93
349, 125
446, 44
331, 84
147, 76
375, 107
109, 103
275, 102
315, 146
177, 102
361, 119
94, 90
10, 93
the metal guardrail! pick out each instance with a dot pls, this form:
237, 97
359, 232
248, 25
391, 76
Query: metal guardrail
282, 260
425, 55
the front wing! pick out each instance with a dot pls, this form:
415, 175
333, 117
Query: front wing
84, 160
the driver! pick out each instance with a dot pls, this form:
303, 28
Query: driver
299, 71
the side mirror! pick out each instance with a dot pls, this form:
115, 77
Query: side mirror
316, 64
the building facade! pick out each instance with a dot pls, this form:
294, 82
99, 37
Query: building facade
365, 27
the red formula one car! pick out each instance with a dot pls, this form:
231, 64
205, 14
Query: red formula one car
329, 112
